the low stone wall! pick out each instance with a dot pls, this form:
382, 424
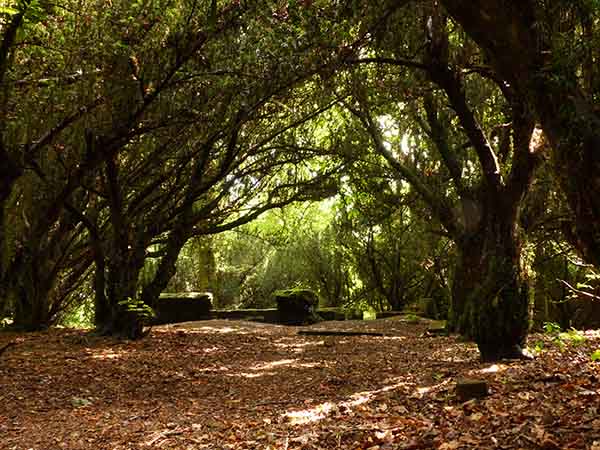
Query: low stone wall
387, 314
269, 315
183, 307
191, 306
331, 313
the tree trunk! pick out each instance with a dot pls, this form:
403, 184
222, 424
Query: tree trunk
490, 293
9, 173
118, 315
118, 311
30, 296
166, 267
28, 284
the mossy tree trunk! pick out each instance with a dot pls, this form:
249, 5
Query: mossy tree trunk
166, 267
490, 291
30, 296
33, 277
115, 315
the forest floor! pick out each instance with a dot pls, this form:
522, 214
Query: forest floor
244, 385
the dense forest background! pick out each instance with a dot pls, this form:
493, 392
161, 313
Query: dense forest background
443, 154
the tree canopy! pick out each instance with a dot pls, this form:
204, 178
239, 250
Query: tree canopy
450, 138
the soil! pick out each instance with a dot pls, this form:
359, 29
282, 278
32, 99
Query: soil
243, 385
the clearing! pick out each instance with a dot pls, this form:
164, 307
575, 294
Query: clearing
243, 385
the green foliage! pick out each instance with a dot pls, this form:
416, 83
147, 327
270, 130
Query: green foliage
552, 328
139, 308
369, 314
538, 347
595, 356
412, 318
8, 10
572, 337
81, 315
196, 267
290, 247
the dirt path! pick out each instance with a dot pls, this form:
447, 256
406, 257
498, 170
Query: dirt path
244, 385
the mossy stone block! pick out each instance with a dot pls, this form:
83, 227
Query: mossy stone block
183, 307
297, 306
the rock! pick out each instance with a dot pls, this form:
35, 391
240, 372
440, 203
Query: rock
467, 389
297, 306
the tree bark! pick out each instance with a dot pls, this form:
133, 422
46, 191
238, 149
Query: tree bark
29, 287
490, 292
123, 260
166, 267
118, 315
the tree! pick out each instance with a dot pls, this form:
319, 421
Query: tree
162, 132
232, 154
480, 213
547, 59
394, 249
41, 257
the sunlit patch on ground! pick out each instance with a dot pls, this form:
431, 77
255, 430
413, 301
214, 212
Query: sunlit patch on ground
109, 354
494, 368
213, 369
322, 410
448, 354
273, 364
251, 374
266, 369
222, 330
394, 338
295, 346
210, 350
309, 415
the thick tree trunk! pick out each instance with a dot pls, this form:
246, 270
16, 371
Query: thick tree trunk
490, 292
118, 312
116, 282
29, 283
117, 315
29, 293
9, 173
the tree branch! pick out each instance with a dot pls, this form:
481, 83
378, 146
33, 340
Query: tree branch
450, 82
439, 137
443, 212
390, 61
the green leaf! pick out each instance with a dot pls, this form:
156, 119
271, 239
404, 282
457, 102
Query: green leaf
7, 10
595, 356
